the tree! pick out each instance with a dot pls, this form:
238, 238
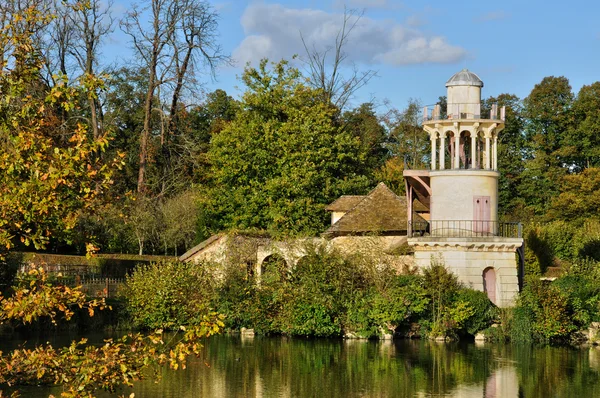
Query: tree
363, 123
325, 72
166, 45
81, 369
407, 140
281, 160
584, 138
91, 22
49, 171
579, 199
548, 113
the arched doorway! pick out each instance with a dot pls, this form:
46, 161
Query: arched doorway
273, 268
489, 283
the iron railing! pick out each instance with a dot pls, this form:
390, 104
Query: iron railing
463, 111
465, 229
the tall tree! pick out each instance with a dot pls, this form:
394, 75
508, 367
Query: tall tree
548, 118
150, 41
363, 123
584, 138
167, 44
49, 170
91, 23
281, 160
407, 140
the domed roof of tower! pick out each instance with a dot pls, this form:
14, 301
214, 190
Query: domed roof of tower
464, 78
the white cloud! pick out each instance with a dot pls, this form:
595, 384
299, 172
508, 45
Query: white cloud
273, 31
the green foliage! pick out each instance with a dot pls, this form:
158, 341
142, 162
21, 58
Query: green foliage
548, 309
538, 252
441, 287
484, 312
281, 160
321, 287
50, 168
548, 112
579, 198
166, 295
364, 124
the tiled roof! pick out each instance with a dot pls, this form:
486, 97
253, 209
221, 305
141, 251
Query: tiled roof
381, 211
345, 202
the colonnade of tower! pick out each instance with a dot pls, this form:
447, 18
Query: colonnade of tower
464, 139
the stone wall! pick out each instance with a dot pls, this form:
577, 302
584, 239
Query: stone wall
469, 257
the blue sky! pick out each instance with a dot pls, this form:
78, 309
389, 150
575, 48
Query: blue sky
415, 46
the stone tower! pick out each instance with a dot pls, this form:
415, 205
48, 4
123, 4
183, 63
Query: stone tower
461, 192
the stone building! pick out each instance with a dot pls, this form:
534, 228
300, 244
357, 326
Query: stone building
461, 192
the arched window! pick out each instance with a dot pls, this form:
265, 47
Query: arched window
465, 149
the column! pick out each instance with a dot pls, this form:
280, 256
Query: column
495, 152
409, 209
443, 151
433, 149
456, 150
474, 149
487, 151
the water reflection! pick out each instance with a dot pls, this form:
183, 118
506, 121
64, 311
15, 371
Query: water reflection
242, 366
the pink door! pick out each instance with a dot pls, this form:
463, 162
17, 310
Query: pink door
489, 283
481, 213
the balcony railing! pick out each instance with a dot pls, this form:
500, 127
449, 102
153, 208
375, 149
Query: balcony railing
465, 229
463, 111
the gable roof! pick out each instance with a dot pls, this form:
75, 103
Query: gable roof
380, 211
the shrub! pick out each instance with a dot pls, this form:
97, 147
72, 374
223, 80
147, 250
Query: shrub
233, 297
441, 286
165, 295
321, 290
484, 311
395, 305
548, 311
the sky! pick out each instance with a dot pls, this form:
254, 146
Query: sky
414, 46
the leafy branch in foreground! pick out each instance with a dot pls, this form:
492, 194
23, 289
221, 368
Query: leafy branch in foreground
80, 368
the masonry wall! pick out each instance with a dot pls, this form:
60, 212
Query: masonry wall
468, 262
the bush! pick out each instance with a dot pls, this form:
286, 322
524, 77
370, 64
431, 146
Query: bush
547, 309
235, 295
166, 295
484, 311
441, 287
321, 289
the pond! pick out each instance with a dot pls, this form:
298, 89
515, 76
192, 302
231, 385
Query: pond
238, 366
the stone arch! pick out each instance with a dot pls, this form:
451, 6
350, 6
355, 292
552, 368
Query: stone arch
273, 267
449, 148
480, 150
465, 149
490, 285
